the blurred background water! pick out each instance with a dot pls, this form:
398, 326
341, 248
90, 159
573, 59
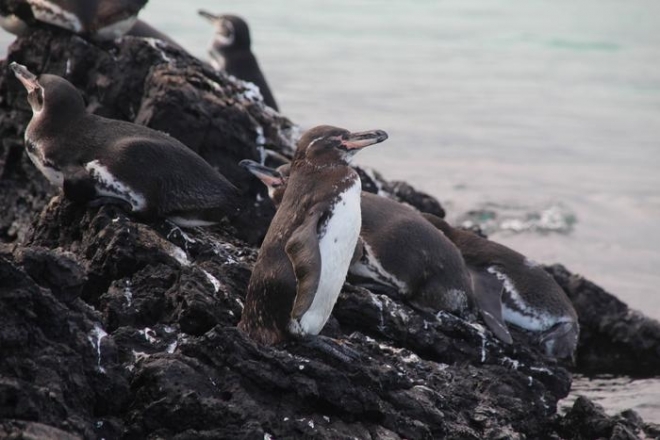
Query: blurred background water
538, 119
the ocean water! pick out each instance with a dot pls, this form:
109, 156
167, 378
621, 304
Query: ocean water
538, 119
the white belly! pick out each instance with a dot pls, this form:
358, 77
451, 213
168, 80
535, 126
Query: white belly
337, 246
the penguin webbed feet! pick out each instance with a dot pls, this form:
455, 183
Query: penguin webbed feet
330, 347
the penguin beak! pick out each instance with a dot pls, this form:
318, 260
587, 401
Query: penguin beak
210, 17
224, 29
27, 78
356, 141
270, 177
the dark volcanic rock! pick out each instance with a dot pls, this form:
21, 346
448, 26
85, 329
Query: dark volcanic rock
373, 182
613, 338
587, 420
113, 328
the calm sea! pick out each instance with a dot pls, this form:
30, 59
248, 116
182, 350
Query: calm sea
539, 120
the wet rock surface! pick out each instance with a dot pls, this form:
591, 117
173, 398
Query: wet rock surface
113, 328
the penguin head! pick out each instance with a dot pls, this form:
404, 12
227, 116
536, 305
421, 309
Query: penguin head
329, 143
561, 340
49, 93
274, 179
231, 31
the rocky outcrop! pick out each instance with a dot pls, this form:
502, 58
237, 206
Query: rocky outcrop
113, 328
614, 339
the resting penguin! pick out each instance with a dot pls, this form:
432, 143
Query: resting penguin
102, 19
230, 52
99, 19
303, 261
97, 160
400, 250
530, 297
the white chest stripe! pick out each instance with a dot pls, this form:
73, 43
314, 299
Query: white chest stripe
54, 176
520, 313
370, 267
107, 185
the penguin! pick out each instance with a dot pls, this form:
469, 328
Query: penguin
100, 19
530, 298
399, 250
97, 160
304, 258
230, 52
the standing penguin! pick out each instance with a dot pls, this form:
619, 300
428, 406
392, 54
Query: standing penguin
97, 160
399, 250
230, 52
304, 258
530, 297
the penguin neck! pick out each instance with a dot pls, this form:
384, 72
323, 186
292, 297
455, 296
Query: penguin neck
442, 225
324, 161
228, 49
46, 123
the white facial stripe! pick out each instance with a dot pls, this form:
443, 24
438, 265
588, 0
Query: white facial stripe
370, 267
223, 40
315, 141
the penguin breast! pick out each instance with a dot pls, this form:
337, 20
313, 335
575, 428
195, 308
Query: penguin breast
337, 240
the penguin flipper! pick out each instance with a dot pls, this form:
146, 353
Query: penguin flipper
488, 296
305, 254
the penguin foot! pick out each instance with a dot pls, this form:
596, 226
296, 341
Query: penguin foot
331, 347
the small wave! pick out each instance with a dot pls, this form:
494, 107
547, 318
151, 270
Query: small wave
554, 218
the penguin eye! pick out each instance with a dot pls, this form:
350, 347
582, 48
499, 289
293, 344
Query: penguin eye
40, 96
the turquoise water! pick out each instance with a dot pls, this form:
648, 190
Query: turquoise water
541, 116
